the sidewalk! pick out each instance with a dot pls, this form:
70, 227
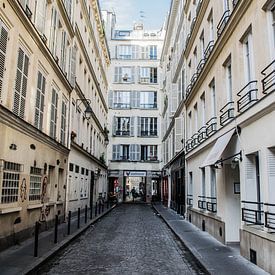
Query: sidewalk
214, 256
19, 259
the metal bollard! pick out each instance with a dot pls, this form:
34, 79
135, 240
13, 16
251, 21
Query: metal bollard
55, 228
69, 223
86, 213
91, 212
36, 233
99, 208
96, 209
102, 207
78, 218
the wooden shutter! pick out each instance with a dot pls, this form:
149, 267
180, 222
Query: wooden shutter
40, 15
114, 152
138, 152
132, 152
174, 99
73, 67
53, 113
63, 121
63, 51
39, 103
178, 133
132, 126
250, 178
271, 175
21, 80
138, 126
3, 51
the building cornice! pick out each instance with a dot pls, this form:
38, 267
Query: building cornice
30, 28
88, 61
9, 119
88, 155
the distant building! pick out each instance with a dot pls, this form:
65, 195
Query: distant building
219, 87
134, 153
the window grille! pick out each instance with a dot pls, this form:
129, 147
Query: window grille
35, 184
10, 182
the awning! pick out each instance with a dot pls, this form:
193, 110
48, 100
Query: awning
218, 149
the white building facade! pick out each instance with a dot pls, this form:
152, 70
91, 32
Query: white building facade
134, 153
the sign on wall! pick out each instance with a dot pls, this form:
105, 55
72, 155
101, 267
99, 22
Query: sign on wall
134, 174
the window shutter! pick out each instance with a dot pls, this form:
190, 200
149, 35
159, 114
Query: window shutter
138, 126
3, 50
135, 99
132, 152
111, 99
133, 74
138, 152
250, 174
53, 113
178, 134
20, 90
116, 78
271, 175
73, 66
138, 73
63, 51
114, 126
114, 152
132, 126
174, 98
40, 15
39, 105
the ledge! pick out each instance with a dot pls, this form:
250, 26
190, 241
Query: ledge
34, 206
10, 210
59, 202
259, 232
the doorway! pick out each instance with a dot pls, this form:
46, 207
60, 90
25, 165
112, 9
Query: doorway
134, 189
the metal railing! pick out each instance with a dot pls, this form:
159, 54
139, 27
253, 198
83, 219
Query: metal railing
252, 212
234, 3
188, 89
198, 7
122, 105
202, 134
122, 133
189, 145
200, 65
193, 24
248, 96
209, 49
270, 216
190, 200
268, 81
211, 204
211, 127
223, 22
149, 133
195, 141
202, 202
227, 113
148, 105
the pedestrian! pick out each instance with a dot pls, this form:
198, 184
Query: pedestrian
133, 192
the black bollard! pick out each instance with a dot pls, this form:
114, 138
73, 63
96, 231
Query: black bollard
55, 228
86, 213
99, 208
102, 207
91, 212
96, 209
69, 223
78, 218
36, 233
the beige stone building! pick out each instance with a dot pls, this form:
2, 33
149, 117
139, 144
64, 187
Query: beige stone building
53, 59
219, 62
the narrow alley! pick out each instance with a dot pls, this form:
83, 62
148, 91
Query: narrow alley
131, 239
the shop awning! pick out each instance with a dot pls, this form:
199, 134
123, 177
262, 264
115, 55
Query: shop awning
218, 148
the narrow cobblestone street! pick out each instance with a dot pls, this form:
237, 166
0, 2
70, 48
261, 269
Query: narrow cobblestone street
132, 239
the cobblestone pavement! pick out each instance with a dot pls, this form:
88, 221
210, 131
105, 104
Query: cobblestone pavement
132, 239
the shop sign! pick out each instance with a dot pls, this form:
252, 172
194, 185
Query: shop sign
134, 174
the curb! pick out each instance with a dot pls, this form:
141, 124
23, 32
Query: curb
52, 252
192, 251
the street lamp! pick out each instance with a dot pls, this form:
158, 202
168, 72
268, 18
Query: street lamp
88, 112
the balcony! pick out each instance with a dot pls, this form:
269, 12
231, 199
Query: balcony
198, 7
188, 89
211, 204
211, 126
270, 216
248, 96
189, 200
252, 212
189, 145
268, 81
200, 66
122, 133
122, 105
234, 3
153, 133
223, 22
195, 141
202, 134
227, 113
202, 202
148, 106
208, 49
192, 24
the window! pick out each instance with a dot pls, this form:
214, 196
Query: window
148, 75
76, 168
190, 185
20, 90
124, 74
202, 45
183, 76
203, 189
40, 12
213, 182
122, 126
54, 27
35, 184
53, 113
10, 182
213, 98
196, 116
228, 68
124, 51
203, 110
148, 126
63, 56
124, 152
82, 171
71, 167
153, 52
63, 120
3, 51
190, 124
148, 100
248, 60
39, 102
122, 99
149, 152
211, 27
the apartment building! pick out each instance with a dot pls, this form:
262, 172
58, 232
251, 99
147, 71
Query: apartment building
135, 105
53, 86
219, 61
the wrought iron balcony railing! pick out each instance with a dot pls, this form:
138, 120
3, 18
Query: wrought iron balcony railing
202, 202
248, 96
195, 141
122, 105
211, 126
122, 133
149, 133
270, 216
234, 3
211, 204
198, 7
189, 145
268, 81
227, 113
209, 49
223, 22
202, 134
252, 212
200, 66
189, 200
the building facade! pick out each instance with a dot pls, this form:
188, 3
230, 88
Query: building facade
134, 115
221, 64
53, 59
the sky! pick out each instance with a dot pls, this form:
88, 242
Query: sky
151, 12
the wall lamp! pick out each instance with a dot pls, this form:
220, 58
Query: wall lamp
88, 112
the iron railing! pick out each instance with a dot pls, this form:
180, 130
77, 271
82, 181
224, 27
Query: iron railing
149, 133
223, 22
234, 3
209, 49
193, 24
189, 145
211, 126
227, 113
190, 200
198, 7
248, 96
202, 202
270, 216
122, 133
252, 212
188, 89
211, 204
200, 65
195, 141
268, 81
148, 105
122, 105
202, 134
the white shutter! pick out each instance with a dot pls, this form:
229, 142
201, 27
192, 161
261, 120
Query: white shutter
135, 51
138, 152
174, 98
271, 175
39, 103
132, 126
116, 75
138, 73
178, 134
132, 151
114, 126
115, 152
73, 67
111, 99
3, 50
133, 74
40, 15
250, 175
53, 113
63, 121
21, 80
63, 51
138, 126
